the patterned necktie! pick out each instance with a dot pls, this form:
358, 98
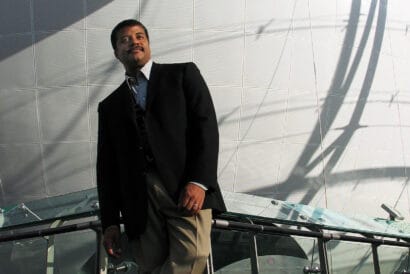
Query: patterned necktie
139, 85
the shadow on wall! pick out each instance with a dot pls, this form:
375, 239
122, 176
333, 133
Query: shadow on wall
341, 84
22, 175
314, 152
25, 20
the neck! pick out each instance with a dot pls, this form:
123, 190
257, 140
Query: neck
133, 69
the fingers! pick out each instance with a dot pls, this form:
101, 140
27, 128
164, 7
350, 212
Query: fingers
113, 251
193, 207
192, 199
112, 241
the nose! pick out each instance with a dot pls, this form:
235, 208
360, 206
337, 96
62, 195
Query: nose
134, 41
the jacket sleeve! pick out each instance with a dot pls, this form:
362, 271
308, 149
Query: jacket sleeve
108, 194
202, 130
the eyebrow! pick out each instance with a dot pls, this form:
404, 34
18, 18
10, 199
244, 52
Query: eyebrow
124, 35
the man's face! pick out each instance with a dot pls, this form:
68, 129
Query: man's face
133, 49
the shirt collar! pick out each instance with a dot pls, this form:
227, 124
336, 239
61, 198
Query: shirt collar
146, 69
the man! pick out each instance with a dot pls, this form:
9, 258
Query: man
157, 159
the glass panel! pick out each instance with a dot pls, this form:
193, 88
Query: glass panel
85, 202
23, 257
293, 213
75, 252
393, 259
284, 254
345, 257
70, 205
230, 252
311, 249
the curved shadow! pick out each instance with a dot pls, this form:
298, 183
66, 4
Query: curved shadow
341, 83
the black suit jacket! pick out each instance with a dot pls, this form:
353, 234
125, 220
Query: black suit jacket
183, 135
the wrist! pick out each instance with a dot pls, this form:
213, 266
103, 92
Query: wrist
200, 185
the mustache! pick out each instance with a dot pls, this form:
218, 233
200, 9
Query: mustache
134, 48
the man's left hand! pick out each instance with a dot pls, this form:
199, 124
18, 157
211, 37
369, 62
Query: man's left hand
192, 198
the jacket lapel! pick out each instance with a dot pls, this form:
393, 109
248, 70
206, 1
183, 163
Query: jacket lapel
128, 103
152, 84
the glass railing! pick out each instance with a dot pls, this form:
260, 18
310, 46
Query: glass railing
68, 206
258, 235
293, 213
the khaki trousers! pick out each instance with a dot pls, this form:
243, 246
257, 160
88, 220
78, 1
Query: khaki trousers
172, 242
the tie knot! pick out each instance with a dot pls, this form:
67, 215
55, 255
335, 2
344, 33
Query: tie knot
137, 79
133, 81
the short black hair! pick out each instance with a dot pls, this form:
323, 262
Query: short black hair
123, 24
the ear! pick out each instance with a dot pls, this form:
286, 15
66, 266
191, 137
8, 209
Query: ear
115, 54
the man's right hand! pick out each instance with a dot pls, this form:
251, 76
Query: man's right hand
112, 241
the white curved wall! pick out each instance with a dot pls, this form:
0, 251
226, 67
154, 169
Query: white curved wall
312, 96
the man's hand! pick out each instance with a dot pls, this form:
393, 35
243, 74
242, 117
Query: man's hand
112, 241
192, 198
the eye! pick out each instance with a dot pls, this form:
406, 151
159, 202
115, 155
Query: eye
124, 39
140, 36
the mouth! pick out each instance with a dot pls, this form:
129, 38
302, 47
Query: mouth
135, 49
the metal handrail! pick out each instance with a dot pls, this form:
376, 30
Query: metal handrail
42, 232
228, 224
217, 223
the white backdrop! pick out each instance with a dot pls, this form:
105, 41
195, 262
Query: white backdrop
312, 96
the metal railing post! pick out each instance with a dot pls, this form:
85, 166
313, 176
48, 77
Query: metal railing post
376, 262
324, 266
253, 253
